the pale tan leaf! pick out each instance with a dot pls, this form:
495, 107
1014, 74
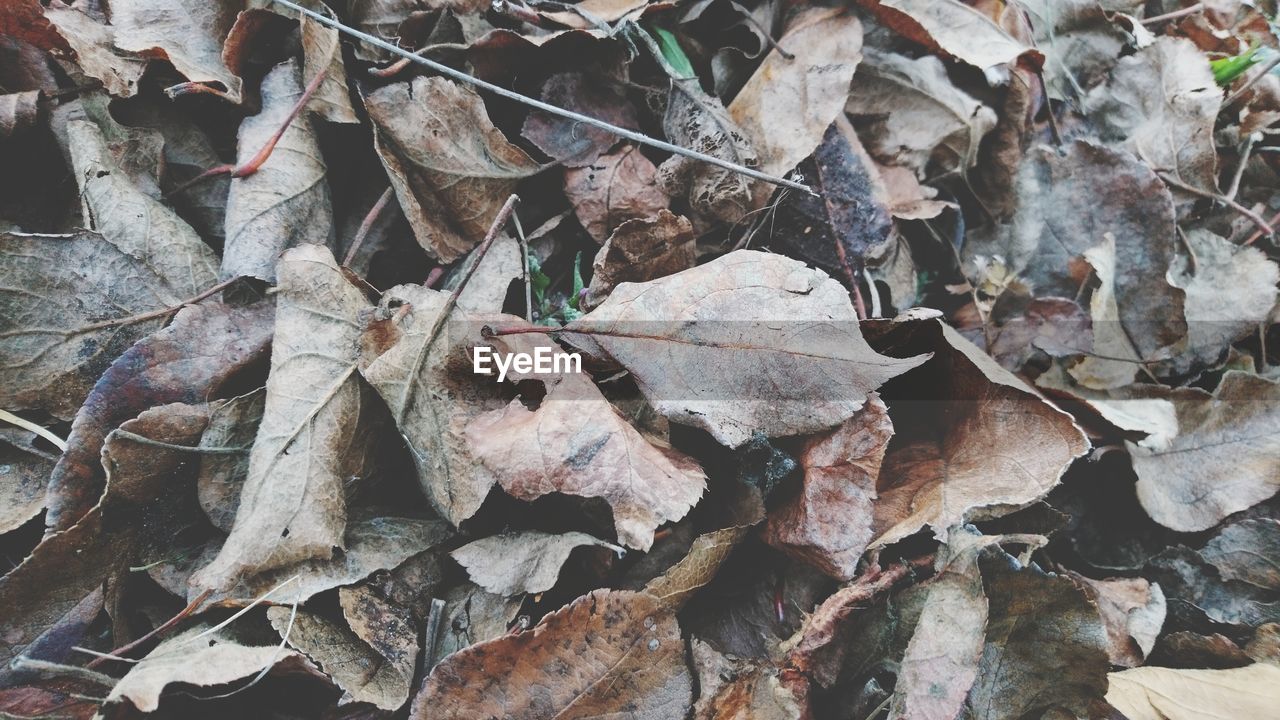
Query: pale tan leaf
286, 202
784, 339
451, 168
322, 52
618, 186
1226, 457
92, 43
487, 288
293, 504
789, 102
576, 443
187, 33
521, 562
707, 553
610, 653
222, 473
192, 658
1157, 693
24, 473
1133, 612
959, 30
432, 394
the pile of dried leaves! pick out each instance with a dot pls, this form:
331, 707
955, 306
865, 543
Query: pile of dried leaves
985, 426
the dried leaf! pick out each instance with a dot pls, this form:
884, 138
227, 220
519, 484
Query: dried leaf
24, 473
293, 504
607, 653
785, 338
732, 689
959, 30
837, 230
706, 555
789, 102
568, 141
286, 202
18, 112
431, 398
1080, 43
700, 122
487, 289
363, 674
618, 186
521, 562
193, 659
828, 524
639, 251
386, 627
982, 445
92, 43
1225, 458
576, 443
185, 362
1133, 612
1198, 594
322, 53
1161, 103
471, 616
1155, 693
908, 113
1248, 551
222, 472
188, 33
450, 167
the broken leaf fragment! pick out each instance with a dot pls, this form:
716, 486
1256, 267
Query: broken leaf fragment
523, 562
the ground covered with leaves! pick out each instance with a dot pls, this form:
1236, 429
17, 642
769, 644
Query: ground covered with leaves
926, 359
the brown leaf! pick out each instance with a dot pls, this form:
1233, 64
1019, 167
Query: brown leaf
1225, 458
1199, 593
789, 102
322, 53
521, 562
487, 289
471, 616
92, 42
639, 251
1248, 551
981, 445
956, 29
576, 443
828, 524
137, 515
618, 186
286, 202
66, 698
24, 473
363, 674
1028, 327
908, 113
1133, 612
187, 33
1030, 612
223, 469
450, 167
193, 658
433, 395
607, 653
706, 555
292, 507
385, 626
1155, 693
700, 122
186, 362
837, 230
785, 340
51, 342
1162, 103
571, 142
22, 20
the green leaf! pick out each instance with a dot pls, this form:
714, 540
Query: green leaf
1226, 70
577, 281
538, 281
672, 53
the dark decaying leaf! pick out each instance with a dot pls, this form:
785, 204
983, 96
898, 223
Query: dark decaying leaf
700, 121
569, 141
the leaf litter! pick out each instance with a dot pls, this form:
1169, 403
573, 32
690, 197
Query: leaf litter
920, 359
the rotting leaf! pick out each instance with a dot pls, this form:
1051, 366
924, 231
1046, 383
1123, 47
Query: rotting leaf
293, 504
785, 338
188, 33
450, 167
700, 122
568, 141
24, 473
521, 562
639, 251
286, 202
1133, 611
1248, 551
622, 652
618, 186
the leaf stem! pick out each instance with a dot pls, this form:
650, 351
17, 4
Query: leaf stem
367, 224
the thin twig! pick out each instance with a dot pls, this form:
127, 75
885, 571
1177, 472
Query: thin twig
546, 107
1258, 235
768, 37
499, 222
1184, 12
1048, 106
1263, 225
143, 317
1266, 69
159, 632
394, 68
367, 224
1245, 154
212, 450
44, 667
528, 281
40, 430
